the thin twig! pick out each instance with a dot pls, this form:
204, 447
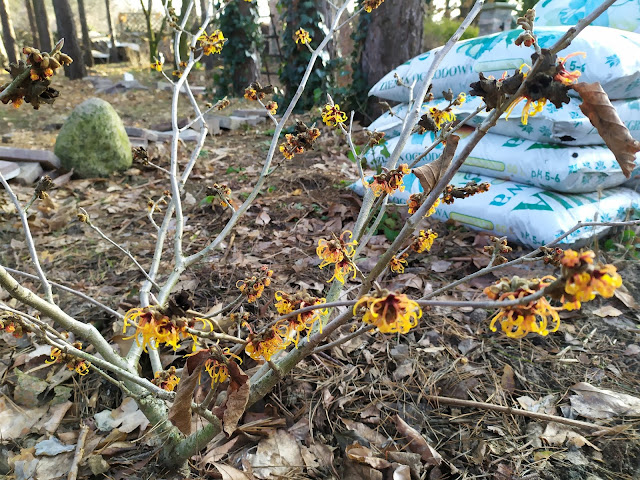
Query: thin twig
523, 413
46, 286
77, 458
104, 236
89, 299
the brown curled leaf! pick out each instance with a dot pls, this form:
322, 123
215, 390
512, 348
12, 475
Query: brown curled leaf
602, 115
430, 174
417, 443
232, 409
180, 411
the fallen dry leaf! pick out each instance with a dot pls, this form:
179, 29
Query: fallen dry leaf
368, 433
180, 411
625, 297
430, 173
230, 473
595, 403
126, 418
263, 218
277, 456
607, 311
602, 115
16, 422
417, 443
508, 380
440, 266
556, 434
365, 455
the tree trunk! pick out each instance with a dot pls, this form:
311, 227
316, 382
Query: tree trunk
67, 30
249, 71
32, 24
8, 35
394, 35
42, 22
86, 40
113, 51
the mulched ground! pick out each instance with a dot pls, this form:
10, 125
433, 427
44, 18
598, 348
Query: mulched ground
353, 392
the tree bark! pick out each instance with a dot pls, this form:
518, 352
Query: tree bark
8, 35
250, 70
86, 40
42, 22
32, 24
113, 51
67, 30
394, 36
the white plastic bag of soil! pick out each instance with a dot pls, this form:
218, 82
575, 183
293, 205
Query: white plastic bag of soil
555, 167
623, 14
612, 58
524, 213
566, 125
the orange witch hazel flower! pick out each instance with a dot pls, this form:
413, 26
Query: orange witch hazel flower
389, 180
166, 379
290, 328
389, 312
564, 76
254, 287
338, 251
531, 317
397, 264
265, 344
332, 251
583, 279
152, 324
78, 364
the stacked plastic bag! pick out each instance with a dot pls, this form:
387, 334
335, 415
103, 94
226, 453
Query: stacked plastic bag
546, 175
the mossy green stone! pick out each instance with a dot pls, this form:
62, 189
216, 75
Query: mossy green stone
93, 141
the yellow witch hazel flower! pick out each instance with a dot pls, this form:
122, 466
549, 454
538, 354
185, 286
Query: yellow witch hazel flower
389, 312
531, 317
302, 36
152, 324
424, 241
332, 115
370, 5
212, 43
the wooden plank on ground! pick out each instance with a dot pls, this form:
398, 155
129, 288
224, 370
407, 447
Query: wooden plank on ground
44, 157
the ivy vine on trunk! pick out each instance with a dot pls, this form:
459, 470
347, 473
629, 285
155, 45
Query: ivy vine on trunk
239, 57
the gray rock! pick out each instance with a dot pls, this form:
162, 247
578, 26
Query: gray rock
93, 141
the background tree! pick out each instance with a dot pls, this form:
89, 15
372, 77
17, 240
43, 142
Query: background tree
113, 51
382, 42
86, 41
67, 30
301, 14
154, 37
8, 35
240, 57
32, 24
42, 22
